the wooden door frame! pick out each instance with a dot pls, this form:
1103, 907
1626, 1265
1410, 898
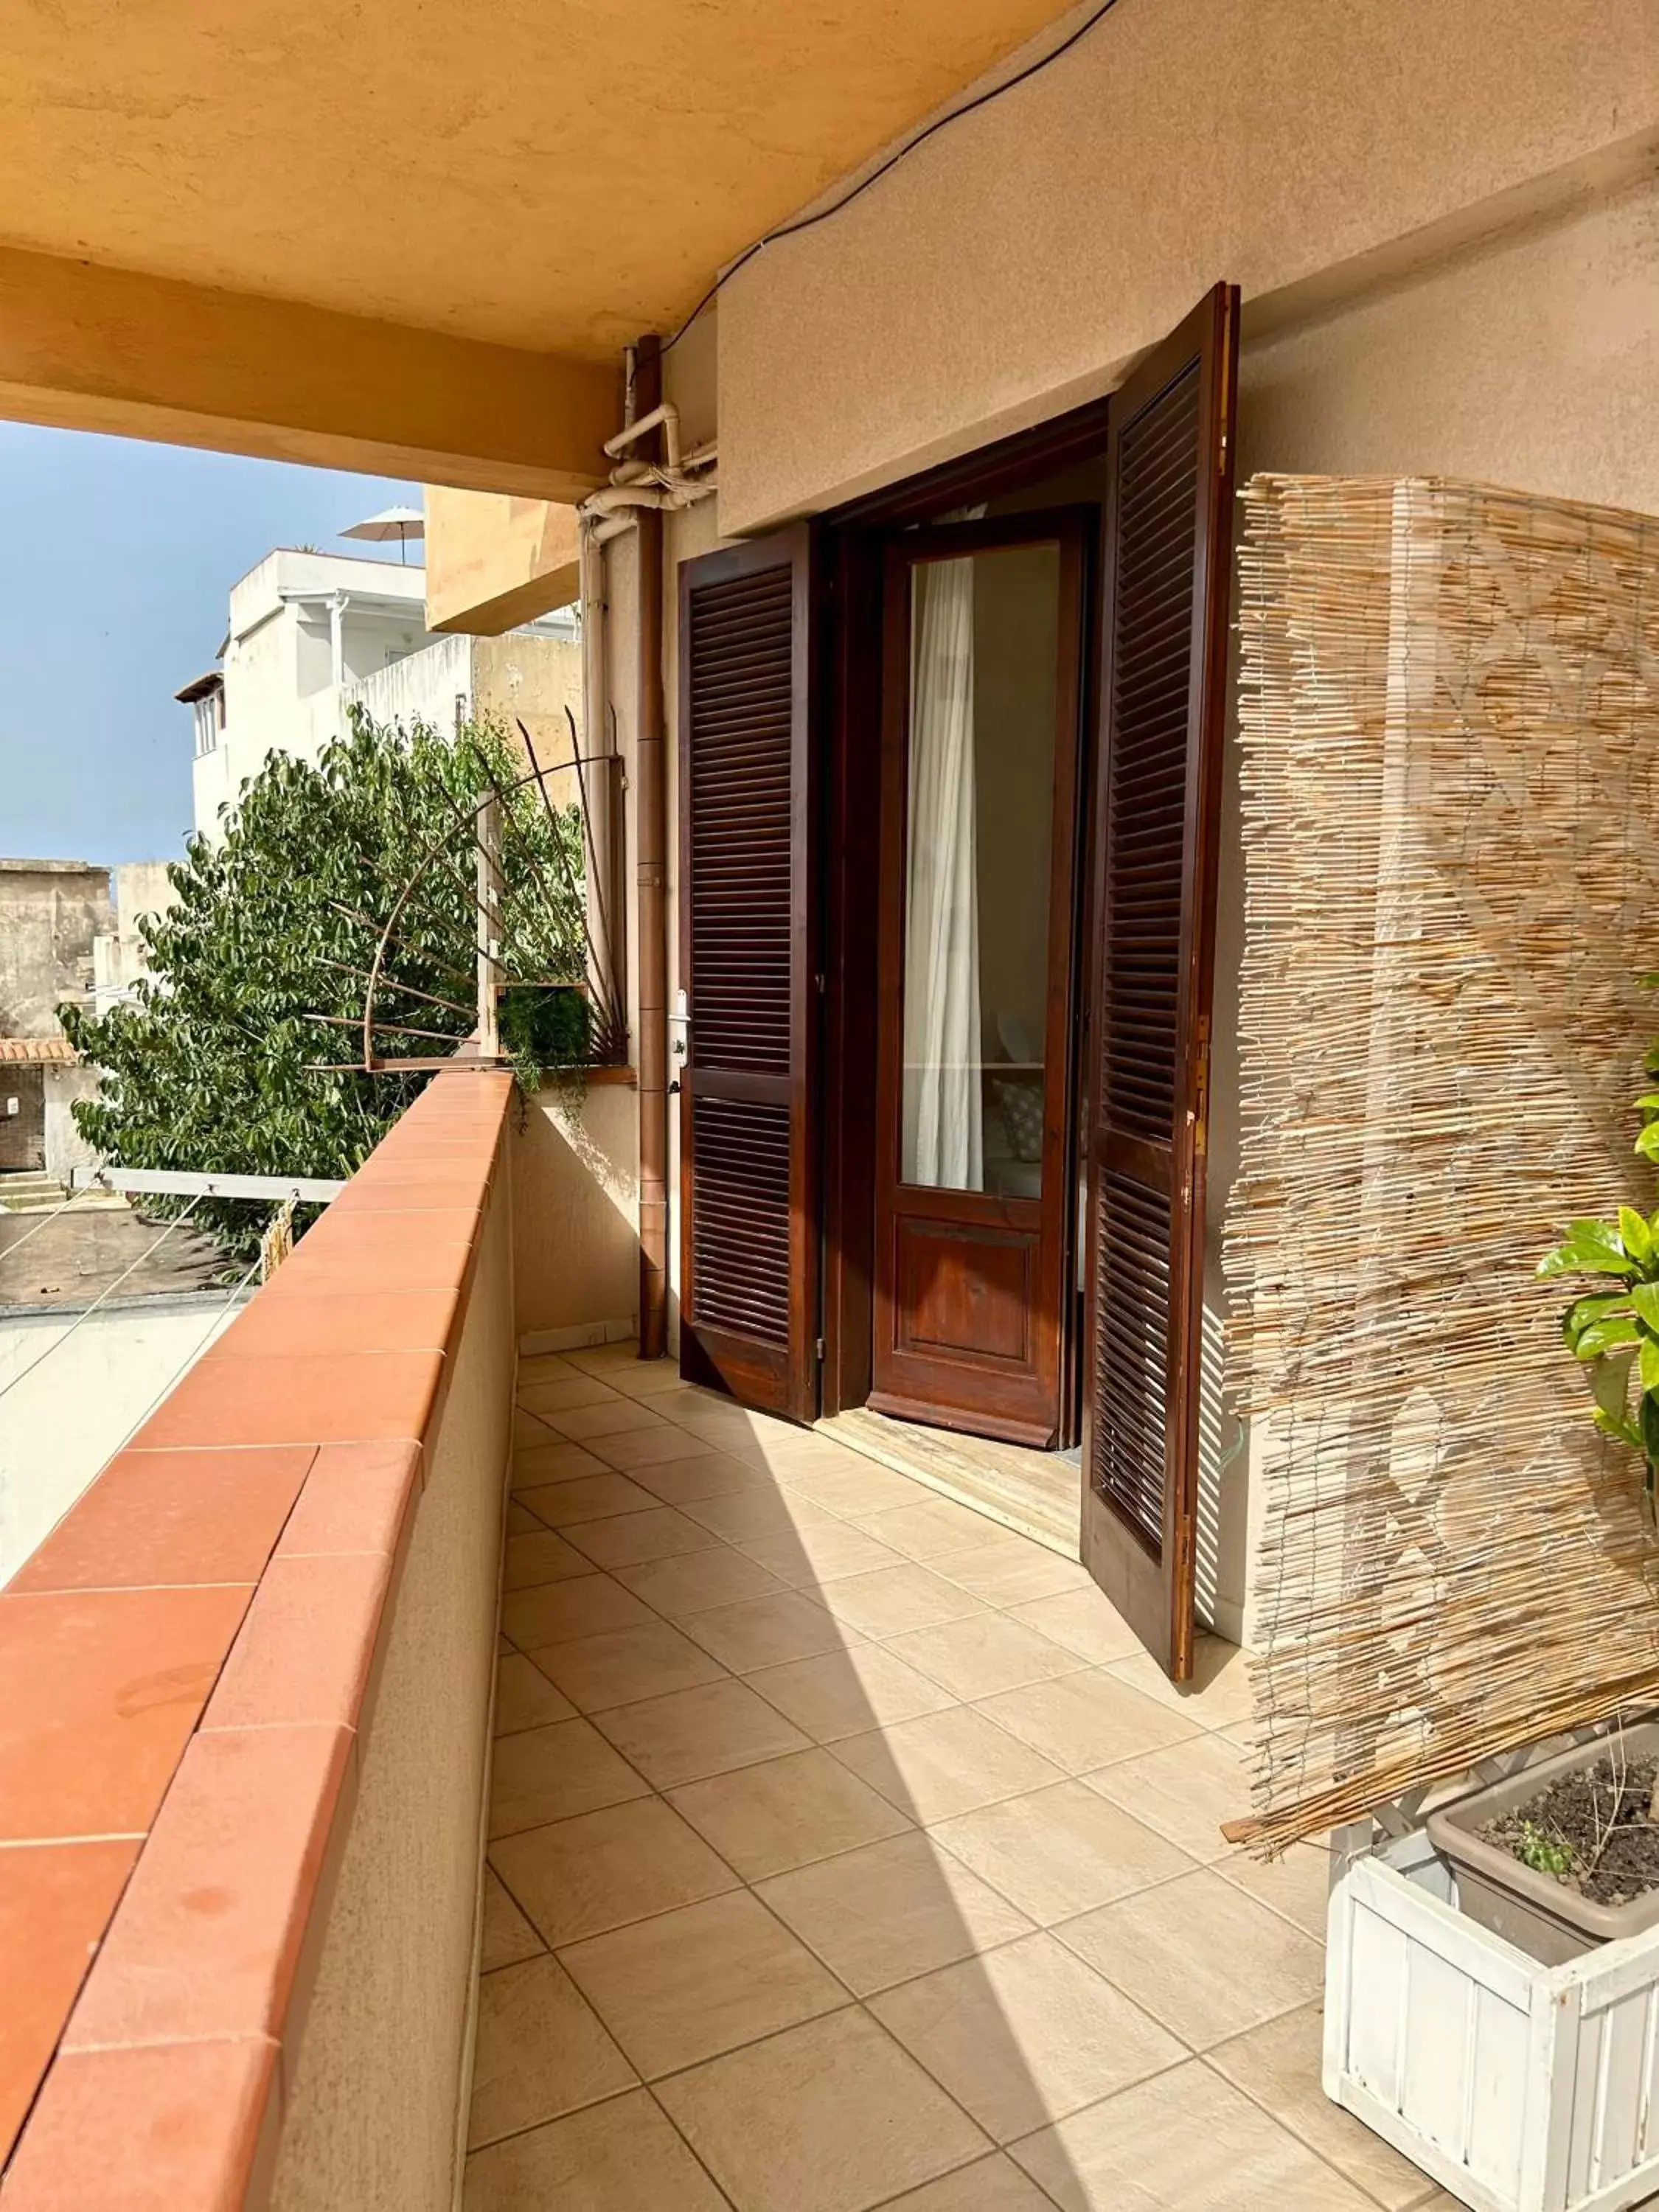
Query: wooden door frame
1068, 529
850, 613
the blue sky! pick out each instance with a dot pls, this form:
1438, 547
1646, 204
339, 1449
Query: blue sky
115, 560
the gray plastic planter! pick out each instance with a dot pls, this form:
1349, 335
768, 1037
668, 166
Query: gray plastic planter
1544, 1918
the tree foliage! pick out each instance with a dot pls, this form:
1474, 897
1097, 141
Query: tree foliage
258, 971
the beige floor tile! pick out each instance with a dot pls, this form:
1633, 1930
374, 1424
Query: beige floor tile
723, 1431
503, 1645
588, 1497
1087, 1720
892, 1911
709, 1473
699, 1582
896, 1598
929, 1530
1200, 1956
765, 1819
946, 1763
819, 1552
1297, 1884
770, 1631
537, 1366
629, 1448
579, 1877
785, 1440
833, 2116
1010, 1569
541, 2051
628, 1540
549, 1773
555, 1613
1184, 2142
534, 1366
609, 1420
1061, 1851
623, 2156
655, 1379
538, 1555
688, 1985
1185, 1791
546, 1460
507, 1935
983, 1653
856, 1488
1025, 2035
693, 1733
525, 1698
558, 1393
763, 1510
848, 1692
1277, 2066
520, 1520
989, 2185
650, 1660
530, 1429
1219, 1695
606, 1360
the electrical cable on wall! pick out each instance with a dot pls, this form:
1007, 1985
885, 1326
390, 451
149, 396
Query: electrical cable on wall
955, 115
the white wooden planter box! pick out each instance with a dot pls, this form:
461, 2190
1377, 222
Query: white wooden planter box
1519, 2087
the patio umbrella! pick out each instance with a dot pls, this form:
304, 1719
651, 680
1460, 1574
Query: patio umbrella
402, 523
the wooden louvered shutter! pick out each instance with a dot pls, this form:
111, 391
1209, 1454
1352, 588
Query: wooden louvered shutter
748, 1248
1167, 577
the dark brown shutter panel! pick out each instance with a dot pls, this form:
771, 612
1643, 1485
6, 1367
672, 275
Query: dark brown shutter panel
1168, 563
748, 1317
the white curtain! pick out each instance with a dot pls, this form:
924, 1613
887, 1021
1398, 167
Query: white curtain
943, 1135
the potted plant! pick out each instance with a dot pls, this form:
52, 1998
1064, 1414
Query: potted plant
1492, 1983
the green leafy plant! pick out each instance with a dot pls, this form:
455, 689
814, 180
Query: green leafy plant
1614, 1330
1543, 1853
259, 969
545, 1030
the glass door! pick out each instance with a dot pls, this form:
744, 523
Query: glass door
983, 654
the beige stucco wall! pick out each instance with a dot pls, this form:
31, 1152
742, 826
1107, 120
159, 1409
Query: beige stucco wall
533, 680
1017, 262
493, 561
575, 1223
374, 2087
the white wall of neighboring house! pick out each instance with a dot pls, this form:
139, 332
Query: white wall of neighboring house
138, 888
313, 635
62, 1423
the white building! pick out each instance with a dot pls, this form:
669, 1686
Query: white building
137, 889
311, 635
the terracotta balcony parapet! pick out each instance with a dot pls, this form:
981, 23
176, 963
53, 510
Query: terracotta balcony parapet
187, 1666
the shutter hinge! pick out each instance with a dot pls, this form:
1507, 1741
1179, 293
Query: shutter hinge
820, 981
819, 1348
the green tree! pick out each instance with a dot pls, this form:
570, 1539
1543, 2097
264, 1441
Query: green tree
258, 971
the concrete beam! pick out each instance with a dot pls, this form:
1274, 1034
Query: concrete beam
494, 562
87, 348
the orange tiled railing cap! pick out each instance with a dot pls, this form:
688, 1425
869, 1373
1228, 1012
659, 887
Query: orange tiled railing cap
182, 1665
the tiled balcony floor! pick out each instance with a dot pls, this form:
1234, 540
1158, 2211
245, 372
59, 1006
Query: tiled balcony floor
846, 1853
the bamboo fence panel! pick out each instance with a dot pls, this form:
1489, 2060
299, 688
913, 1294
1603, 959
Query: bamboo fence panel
1450, 779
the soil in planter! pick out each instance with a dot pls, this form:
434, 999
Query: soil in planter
1591, 1833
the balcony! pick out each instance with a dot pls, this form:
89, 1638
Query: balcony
820, 1846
